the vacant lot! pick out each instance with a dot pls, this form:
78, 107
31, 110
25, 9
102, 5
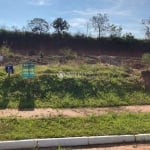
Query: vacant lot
73, 100
64, 86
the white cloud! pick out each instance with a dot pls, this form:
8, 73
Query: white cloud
135, 28
114, 11
114, 8
77, 22
78, 25
111, 11
40, 2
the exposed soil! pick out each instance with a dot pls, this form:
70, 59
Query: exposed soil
122, 147
108, 147
75, 112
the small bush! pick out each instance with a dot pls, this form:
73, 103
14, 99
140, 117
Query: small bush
5, 51
146, 58
69, 54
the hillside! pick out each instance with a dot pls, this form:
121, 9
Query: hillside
64, 86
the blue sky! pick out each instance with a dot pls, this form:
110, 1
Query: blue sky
127, 13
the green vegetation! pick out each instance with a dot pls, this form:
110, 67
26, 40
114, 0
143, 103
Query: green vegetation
68, 54
112, 124
72, 85
5, 51
146, 59
29, 43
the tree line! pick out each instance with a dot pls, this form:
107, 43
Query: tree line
100, 23
50, 38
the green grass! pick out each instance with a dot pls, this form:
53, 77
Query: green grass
94, 86
111, 124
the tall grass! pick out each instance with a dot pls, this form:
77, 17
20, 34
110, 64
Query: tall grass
111, 124
95, 86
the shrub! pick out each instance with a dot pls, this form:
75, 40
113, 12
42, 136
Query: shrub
5, 50
146, 74
146, 58
69, 54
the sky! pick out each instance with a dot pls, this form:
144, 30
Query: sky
125, 13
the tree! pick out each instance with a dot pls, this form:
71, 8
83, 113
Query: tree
128, 36
15, 28
60, 25
146, 22
87, 25
38, 25
115, 31
100, 23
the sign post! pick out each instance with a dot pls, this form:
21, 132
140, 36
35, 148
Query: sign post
28, 70
9, 69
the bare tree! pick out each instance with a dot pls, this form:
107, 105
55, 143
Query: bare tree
87, 25
100, 23
115, 31
128, 36
146, 23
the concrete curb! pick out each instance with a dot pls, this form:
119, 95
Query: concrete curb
142, 138
74, 141
114, 139
70, 141
18, 144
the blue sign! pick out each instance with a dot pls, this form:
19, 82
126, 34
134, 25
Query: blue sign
9, 68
